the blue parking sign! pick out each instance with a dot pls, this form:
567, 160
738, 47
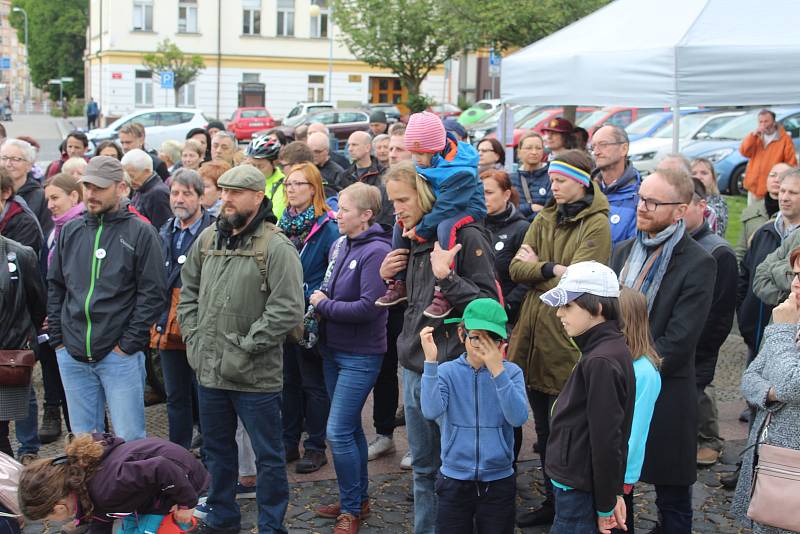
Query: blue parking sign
5, 63
167, 79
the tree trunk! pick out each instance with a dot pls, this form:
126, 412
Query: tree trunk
177, 91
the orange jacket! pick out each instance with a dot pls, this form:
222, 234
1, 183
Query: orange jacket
763, 158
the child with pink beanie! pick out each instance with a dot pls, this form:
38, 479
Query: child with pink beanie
450, 167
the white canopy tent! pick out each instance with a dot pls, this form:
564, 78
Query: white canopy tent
652, 53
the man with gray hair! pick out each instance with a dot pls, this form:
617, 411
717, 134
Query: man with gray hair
17, 157
223, 147
618, 179
676, 162
150, 194
177, 235
320, 146
333, 143
380, 148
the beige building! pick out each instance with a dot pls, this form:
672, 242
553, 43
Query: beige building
256, 52
13, 79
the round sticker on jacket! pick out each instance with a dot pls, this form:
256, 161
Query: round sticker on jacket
12, 267
353, 264
542, 191
499, 246
100, 253
181, 259
614, 218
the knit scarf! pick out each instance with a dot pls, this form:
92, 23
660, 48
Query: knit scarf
297, 225
73, 213
648, 261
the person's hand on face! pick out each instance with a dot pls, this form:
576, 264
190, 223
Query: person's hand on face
488, 351
787, 312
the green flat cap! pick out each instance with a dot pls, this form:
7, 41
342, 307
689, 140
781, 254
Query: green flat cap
243, 177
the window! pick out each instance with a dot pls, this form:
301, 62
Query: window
186, 96
319, 25
250, 77
144, 88
325, 118
286, 18
352, 116
621, 118
316, 88
143, 15
251, 17
145, 119
792, 125
187, 16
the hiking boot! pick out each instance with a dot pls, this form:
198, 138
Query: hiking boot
50, 429
380, 446
312, 461
439, 308
28, 458
707, 456
332, 511
395, 294
543, 515
729, 480
405, 463
346, 524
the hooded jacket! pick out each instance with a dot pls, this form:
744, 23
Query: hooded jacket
480, 414
351, 321
623, 198
314, 255
507, 229
538, 186
152, 201
22, 296
146, 476
105, 285
539, 344
456, 186
34, 196
18, 223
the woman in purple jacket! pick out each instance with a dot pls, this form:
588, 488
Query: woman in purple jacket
102, 478
353, 333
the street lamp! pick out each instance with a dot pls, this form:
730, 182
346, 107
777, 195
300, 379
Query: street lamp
18, 9
315, 11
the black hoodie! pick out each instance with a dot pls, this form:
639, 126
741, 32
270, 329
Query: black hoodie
507, 229
34, 196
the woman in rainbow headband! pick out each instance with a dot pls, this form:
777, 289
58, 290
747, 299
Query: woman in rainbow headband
572, 227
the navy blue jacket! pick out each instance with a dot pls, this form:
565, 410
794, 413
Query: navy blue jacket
314, 254
623, 197
538, 183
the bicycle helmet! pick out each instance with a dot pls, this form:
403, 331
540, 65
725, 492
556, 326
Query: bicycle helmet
263, 148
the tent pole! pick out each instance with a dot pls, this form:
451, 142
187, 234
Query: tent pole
676, 116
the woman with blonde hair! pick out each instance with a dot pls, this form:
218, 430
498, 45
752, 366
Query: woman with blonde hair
191, 155
170, 153
703, 170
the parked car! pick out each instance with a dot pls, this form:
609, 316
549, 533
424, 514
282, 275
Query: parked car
393, 113
445, 110
340, 122
160, 124
646, 153
620, 116
648, 125
538, 118
488, 125
246, 121
478, 111
298, 114
722, 145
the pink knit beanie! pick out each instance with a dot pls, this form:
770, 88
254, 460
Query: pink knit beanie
425, 133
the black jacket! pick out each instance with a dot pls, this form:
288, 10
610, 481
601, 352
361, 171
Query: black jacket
19, 224
105, 285
372, 177
34, 196
508, 232
152, 201
337, 158
330, 172
472, 278
591, 419
22, 296
723, 305
159, 167
682, 304
752, 314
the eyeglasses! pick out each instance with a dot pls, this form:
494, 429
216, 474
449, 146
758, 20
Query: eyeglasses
12, 159
474, 340
602, 145
295, 185
790, 276
651, 204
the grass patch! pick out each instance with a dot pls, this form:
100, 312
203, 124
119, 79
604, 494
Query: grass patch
735, 206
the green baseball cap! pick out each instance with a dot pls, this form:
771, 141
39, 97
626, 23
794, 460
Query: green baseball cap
243, 177
484, 314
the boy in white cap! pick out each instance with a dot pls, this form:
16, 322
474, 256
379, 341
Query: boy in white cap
591, 420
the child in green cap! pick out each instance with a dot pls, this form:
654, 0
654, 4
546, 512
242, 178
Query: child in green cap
480, 398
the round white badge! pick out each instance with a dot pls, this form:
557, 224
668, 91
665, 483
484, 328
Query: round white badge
542, 191
100, 253
181, 259
614, 218
353, 264
499, 246
12, 267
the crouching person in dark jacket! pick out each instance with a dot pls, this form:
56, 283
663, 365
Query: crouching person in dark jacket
101, 478
482, 399
592, 417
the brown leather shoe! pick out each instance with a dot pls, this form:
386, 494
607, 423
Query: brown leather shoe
346, 524
311, 461
439, 308
395, 294
332, 511
707, 456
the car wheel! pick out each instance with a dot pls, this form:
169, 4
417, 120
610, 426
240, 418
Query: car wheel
736, 185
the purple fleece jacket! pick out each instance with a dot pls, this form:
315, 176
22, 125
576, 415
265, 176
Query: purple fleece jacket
351, 321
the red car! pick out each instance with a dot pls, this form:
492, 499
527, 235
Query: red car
617, 115
247, 121
445, 111
535, 121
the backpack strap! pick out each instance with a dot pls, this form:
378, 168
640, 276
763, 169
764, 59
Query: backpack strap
259, 252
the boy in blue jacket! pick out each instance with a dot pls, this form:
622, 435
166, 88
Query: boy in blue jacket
480, 398
450, 167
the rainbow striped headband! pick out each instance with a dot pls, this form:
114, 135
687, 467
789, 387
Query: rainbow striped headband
573, 173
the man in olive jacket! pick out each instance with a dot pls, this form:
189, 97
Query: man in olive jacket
242, 293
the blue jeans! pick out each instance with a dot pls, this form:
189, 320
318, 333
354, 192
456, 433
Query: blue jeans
27, 429
305, 400
575, 513
674, 505
424, 443
179, 385
118, 380
261, 415
349, 378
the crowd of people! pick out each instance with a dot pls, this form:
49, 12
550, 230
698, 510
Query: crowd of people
281, 284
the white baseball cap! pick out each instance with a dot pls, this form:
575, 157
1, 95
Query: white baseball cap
584, 277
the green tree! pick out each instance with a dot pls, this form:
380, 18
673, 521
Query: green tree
168, 57
57, 40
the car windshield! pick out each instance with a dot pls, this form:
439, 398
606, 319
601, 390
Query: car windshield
253, 113
294, 121
687, 127
643, 125
483, 105
738, 128
593, 118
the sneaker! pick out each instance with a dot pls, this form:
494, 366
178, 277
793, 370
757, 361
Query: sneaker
543, 515
204, 528
395, 294
380, 446
201, 510
439, 308
405, 463
50, 430
707, 456
28, 458
312, 461
346, 524
332, 511
245, 492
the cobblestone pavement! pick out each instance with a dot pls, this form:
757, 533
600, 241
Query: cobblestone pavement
390, 487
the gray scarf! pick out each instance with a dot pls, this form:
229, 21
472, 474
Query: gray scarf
648, 261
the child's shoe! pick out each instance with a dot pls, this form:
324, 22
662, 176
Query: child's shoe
395, 294
439, 308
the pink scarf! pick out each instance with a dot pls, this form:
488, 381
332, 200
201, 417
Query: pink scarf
73, 213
